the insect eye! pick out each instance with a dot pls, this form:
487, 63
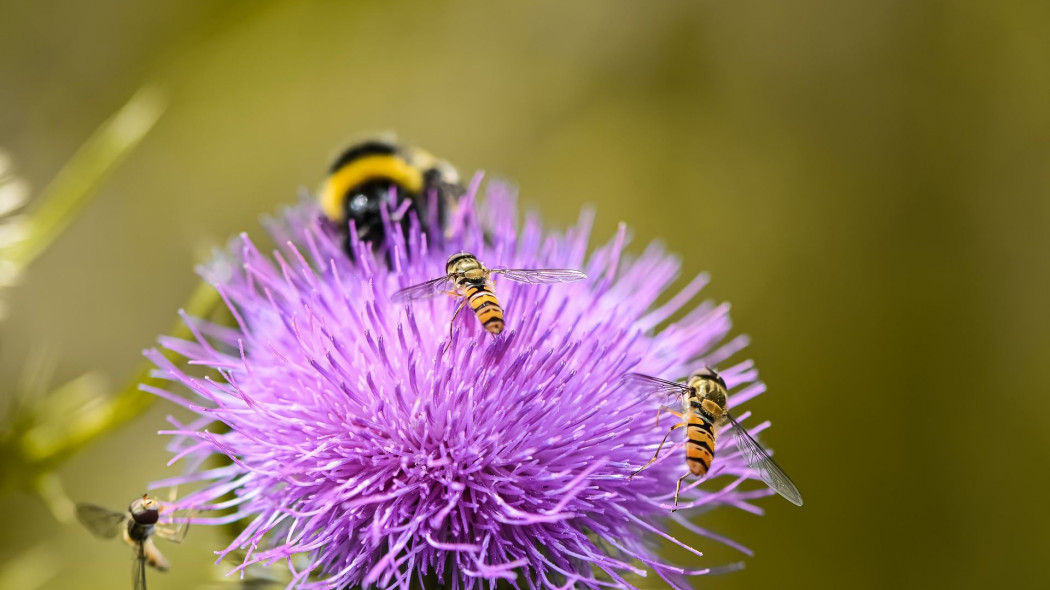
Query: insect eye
144, 510
146, 515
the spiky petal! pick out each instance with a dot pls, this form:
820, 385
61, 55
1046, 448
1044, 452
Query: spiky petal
364, 454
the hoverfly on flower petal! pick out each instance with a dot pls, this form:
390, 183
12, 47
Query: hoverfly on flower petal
704, 410
138, 525
471, 281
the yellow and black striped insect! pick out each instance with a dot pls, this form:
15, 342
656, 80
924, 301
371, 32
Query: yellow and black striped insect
372, 173
704, 410
138, 525
469, 279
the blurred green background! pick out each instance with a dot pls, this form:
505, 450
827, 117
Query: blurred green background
866, 182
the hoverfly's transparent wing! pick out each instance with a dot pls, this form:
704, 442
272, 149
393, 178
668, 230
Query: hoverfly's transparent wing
138, 568
540, 276
759, 460
654, 386
102, 522
424, 290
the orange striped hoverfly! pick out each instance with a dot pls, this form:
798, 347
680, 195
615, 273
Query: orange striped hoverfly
471, 281
704, 410
138, 525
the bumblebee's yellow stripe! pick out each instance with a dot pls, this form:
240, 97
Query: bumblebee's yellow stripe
362, 170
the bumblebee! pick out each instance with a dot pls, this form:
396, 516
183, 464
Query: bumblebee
704, 411
375, 172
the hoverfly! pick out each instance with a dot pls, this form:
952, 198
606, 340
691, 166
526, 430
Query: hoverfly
362, 178
470, 280
138, 526
704, 410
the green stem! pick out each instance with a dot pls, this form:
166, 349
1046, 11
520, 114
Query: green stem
125, 405
68, 193
37, 442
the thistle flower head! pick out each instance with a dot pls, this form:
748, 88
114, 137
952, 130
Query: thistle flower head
364, 454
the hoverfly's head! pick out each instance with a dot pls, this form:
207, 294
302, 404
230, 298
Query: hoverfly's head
145, 510
710, 386
461, 262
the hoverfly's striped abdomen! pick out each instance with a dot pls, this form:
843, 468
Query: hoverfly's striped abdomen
700, 442
473, 283
485, 306
469, 281
704, 405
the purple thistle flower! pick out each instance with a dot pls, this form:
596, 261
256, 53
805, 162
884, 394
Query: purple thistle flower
364, 455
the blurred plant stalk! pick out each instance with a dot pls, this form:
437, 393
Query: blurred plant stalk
71, 190
45, 431
31, 568
14, 193
42, 430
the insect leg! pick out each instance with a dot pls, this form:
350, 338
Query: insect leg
138, 567
678, 488
452, 324
662, 408
673, 428
171, 531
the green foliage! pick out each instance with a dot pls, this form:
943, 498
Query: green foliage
41, 431
71, 190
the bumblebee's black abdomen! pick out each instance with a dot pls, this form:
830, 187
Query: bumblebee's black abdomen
363, 205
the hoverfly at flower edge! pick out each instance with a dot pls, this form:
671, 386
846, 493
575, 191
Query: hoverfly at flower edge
138, 525
470, 280
704, 409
